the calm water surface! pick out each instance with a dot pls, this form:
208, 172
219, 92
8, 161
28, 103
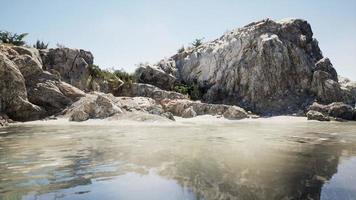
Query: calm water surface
187, 160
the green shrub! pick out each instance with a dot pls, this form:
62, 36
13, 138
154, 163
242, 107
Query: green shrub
12, 38
40, 45
181, 88
124, 76
94, 71
193, 90
197, 42
181, 50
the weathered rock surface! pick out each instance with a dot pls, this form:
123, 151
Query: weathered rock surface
336, 110
348, 88
315, 115
147, 90
27, 92
13, 93
100, 106
155, 75
326, 89
187, 108
325, 65
4, 120
267, 67
71, 64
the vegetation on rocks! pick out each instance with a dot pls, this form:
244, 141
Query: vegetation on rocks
181, 50
96, 72
198, 42
12, 38
125, 76
192, 90
40, 45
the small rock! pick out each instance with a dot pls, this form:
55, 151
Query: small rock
189, 113
79, 116
315, 115
235, 112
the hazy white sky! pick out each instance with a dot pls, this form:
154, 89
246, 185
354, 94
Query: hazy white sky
122, 33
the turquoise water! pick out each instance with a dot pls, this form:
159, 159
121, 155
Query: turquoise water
189, 160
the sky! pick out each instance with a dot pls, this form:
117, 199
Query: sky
124, 33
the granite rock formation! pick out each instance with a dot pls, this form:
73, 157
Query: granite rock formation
187, 109
27, 92
334, 111
97, 105
268, 67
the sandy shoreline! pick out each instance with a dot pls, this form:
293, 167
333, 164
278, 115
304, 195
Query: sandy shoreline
201, 120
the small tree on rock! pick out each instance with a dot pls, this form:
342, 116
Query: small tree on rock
12, 38
197, 42
40, 45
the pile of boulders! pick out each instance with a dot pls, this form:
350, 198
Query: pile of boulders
334, 111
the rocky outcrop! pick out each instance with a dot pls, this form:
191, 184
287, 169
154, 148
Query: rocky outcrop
155, 75
268, 67
97, 105
187, 109
13, 93
315, 115
147, 90
4, 120
336, 111
326, 66
71, 64
326, 89
348, 88
27, 92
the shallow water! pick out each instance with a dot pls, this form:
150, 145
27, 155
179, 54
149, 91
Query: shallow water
282, 158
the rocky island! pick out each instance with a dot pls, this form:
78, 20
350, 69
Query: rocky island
265, 68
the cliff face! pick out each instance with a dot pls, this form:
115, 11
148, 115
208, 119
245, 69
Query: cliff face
267, 67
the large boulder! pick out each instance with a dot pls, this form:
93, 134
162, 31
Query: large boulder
348, 88
268, 67
13, 93
27, 91
326, 89
335, 110
325, 65
154, 75
187, 108
71, 64
147, 90
315, 115
341, 110
49, 96
4, 120
96, 105
28, 65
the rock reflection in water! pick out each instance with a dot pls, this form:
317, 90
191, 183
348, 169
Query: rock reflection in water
243, 160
